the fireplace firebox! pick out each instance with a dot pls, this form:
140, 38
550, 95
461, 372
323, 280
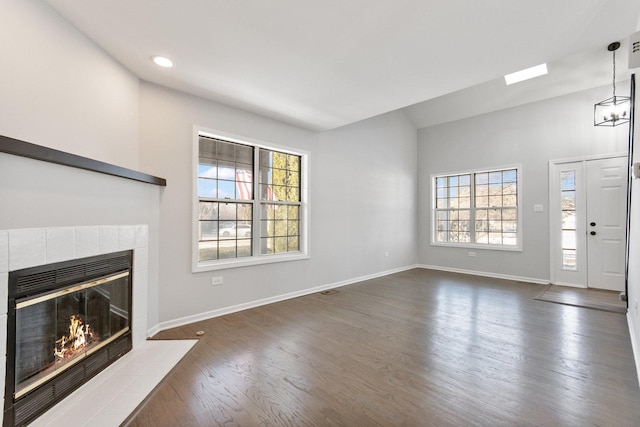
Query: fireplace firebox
66, 322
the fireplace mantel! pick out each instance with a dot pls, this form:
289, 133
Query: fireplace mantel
45, 154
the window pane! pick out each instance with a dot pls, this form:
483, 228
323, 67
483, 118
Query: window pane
244, 248
568, 239
226, 151
227, 170
293, 244
482, 178
244, 154
569, 220
568, 180
495, 177
207, 251
208, 170
495, 201
509, 175
207, 148
293, 212
227, 249
208, 230
226, 189
441, 182
482, 237
208, 210
509, 200
207, 188
509, 239
568, 259
482, 202
568, 200
465, 180
510, 214
293, 162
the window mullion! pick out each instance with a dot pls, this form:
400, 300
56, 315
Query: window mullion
257, 207
472, 209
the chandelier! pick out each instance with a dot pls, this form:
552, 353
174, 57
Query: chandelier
613, 111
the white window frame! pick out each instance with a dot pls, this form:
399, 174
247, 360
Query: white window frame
472, 209
256, 258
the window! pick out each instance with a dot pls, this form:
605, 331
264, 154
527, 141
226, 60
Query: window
478, 209
569, 229
241, 220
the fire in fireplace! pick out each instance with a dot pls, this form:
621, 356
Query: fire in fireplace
67, 322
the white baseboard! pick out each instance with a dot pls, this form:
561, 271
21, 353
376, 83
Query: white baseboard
486, 274
635, 345
154, 330
257, 303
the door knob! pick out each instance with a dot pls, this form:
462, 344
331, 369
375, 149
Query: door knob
593, 233
593, 224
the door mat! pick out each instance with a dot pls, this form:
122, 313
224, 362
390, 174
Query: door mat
597, 299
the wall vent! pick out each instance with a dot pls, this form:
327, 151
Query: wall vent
634, 50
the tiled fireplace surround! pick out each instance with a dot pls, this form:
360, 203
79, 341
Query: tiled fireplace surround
26, 248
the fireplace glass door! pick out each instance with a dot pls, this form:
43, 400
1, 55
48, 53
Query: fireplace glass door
57, 330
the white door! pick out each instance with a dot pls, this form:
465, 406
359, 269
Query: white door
588, 211
606, 222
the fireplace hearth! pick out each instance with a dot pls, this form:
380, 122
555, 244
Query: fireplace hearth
66, 322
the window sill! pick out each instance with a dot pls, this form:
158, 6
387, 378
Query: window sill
479, 246
246, 262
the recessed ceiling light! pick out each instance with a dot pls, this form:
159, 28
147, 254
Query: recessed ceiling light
529, 73
162, 61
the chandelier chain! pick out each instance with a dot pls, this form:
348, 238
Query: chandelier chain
614, 76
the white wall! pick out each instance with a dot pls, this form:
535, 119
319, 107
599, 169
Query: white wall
529, 135
59, 90
633, 295
362, 196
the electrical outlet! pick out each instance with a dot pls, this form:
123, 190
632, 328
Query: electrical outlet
472, 254
217, 280
386, 254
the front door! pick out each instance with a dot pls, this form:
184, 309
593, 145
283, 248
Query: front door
606, 222
588, 211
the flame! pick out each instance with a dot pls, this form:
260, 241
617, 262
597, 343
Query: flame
80, 335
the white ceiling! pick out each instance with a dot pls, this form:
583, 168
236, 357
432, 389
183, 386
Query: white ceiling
321, 64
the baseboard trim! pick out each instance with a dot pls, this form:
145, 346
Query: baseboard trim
257, 303
486, 274
635, 345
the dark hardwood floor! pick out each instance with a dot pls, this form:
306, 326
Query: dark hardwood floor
416, 348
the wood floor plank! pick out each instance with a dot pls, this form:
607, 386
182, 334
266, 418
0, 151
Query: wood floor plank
419, 347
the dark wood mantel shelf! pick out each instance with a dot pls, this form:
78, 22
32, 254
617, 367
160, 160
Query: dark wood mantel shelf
45, 154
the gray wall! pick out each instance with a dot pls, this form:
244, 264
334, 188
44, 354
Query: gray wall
529, 135
633, 315
59, 90
362, 203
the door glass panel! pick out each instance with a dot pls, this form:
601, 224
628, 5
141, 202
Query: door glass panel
568, 206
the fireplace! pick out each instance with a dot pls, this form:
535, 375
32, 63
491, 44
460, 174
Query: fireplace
66, 322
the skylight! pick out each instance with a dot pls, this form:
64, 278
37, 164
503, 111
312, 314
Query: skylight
529, 73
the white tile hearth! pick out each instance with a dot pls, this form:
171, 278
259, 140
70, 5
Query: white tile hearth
4, 251
60, 244
86, 241
109, 398
24, 248
27, 248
